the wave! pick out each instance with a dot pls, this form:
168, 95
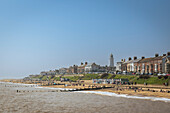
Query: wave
56, 88
126, 96
20, 84
38, 86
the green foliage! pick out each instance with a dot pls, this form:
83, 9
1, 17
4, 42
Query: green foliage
111, 76
44, 78
104, 76
56, 78
72, 78
40, 76
131, 78
152, 80
90, 76
49, 78
155, 74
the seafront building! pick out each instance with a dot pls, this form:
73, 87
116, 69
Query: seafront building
131, 65
82, 69
92, 67
152, 65
119, 66
63, 70
149, 66
51, 72
73, 69
166, 64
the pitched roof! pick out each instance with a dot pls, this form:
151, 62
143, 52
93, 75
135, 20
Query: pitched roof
132, 61
158, 58
146, 59
151, 59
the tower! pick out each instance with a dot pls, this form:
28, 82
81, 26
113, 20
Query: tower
111, 61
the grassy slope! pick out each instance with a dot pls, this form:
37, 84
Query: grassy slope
131, 78
152, 80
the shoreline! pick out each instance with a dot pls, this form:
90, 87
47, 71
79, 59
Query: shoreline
140, 94
111, 92
154, 90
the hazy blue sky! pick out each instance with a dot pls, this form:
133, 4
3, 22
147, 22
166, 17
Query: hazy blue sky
37, 35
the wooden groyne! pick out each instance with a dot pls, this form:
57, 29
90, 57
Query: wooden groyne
27, 91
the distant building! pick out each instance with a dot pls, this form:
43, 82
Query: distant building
124, 66
81, 68
92, 67
63, 70
166, 64
73, 69
49, 73
103, 69
111, 61
119, 66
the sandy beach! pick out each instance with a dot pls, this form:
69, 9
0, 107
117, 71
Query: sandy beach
142, 90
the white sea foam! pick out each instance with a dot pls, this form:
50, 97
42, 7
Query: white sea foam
56, 88
126, 96
20, 84
38, 86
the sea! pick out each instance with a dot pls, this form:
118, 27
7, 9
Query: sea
24, 98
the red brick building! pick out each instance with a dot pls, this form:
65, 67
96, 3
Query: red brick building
145, 65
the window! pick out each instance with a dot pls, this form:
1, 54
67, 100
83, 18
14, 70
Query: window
156, 67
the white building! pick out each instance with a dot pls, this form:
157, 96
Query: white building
119, 66
92, 67
131, 64
166, 64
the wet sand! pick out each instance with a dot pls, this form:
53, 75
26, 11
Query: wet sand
45, 101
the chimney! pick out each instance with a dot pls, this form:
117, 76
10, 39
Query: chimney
130, 58
156, 55
168, 53
164, 54
134, 58
81, 63
86, 63
143, 57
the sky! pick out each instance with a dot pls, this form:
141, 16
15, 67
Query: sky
42, 35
